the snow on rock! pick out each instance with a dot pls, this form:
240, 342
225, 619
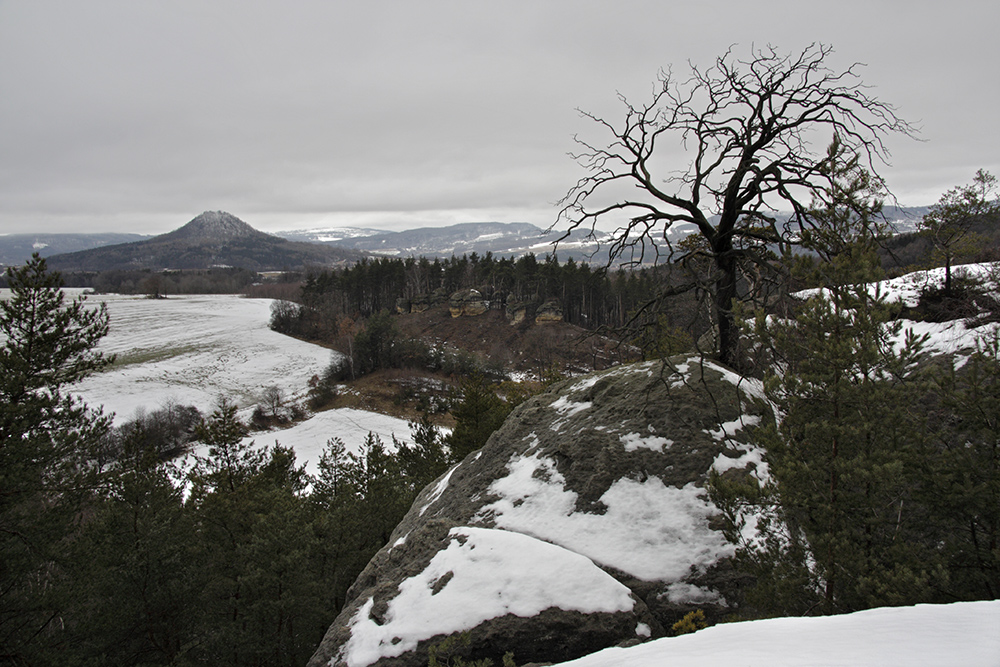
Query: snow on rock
649, 530
963, 633
634, 441
610, 468
459, 589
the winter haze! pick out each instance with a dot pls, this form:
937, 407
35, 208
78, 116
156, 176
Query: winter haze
134, 117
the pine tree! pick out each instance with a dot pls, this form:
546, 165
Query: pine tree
258, 603
845, 447
949, 223
48, 440
130, 592
477, 416
965, 487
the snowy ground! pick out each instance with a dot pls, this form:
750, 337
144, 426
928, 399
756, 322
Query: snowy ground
192, 350
943, 337
309, 438
965, 634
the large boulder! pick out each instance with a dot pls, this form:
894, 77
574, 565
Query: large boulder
519, 311
467, 302
550, 311
583, 523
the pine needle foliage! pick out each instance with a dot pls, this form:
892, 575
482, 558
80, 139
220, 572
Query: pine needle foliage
845, 449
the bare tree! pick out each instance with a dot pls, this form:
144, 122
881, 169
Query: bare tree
273, 399
749, 131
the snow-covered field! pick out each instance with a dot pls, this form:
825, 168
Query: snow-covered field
965, 634
192, 350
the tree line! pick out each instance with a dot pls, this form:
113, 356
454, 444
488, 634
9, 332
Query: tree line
590, 297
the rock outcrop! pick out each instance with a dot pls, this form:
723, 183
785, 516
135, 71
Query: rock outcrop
519, 311
583, 523
467, 302
550, 311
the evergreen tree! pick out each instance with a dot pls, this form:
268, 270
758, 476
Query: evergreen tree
964, 489
949, 222
374, 346
846, 447
424, 460
477, 416
130, 593
48, 442
259, 603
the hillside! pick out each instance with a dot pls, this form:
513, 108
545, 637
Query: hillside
16, 249
503, 239
212, 239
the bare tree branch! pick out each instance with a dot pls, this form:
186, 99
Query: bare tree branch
749, 130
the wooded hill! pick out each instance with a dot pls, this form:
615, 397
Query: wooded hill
213, 239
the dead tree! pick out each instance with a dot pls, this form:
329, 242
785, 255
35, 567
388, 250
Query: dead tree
724, 151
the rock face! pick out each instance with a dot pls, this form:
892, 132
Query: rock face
583, 523
518, 311
550, 311
467, 302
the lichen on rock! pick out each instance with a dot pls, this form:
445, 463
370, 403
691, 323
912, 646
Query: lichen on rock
601, 479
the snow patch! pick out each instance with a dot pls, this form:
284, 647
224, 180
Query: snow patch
682, 593
568, 408
438, 490
964, 633
649, 530
634, 441
482, 574
728, 429
752, 458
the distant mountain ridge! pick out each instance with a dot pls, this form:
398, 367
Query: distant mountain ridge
212, 239
191, 244
15, 249
499, 238
512, 238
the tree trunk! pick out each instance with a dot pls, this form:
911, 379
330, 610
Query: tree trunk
725, 287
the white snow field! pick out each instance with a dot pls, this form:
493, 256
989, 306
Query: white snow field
964, 634
308, 438
192, 350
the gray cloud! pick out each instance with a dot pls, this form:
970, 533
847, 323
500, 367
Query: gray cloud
138, 116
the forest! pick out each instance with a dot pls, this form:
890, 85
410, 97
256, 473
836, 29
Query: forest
121, 548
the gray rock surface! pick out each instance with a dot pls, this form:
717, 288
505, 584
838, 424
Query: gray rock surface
583, 523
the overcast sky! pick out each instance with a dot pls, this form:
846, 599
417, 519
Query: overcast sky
137, 116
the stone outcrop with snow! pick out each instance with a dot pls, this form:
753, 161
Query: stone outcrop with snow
583, 523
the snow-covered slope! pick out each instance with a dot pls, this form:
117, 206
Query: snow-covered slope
965, 634
192, 350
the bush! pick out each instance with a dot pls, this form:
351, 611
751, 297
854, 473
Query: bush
322, 391
692, 622
285, 316
967, 299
